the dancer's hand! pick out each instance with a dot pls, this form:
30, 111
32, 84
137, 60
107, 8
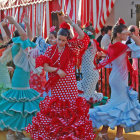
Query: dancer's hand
10, 19
38, 28
10, 69
26, 19
68, 19
99, 54
78, 22
3, 23
61, 73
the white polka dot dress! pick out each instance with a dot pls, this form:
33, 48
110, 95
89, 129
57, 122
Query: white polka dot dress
90, 76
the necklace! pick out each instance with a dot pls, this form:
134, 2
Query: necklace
60, 49
59, 55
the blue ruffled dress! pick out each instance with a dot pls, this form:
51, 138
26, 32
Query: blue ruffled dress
123, 108
19, 104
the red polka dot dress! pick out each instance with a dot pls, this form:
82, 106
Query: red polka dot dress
64, 115
37, 82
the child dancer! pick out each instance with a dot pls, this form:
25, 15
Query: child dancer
63, 115
19, 104
123, 109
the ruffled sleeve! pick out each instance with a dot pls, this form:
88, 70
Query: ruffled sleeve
79, 44
46, 58
23, 43
41, 60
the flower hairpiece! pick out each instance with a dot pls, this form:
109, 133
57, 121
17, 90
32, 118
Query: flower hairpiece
121, 21
52, 29
65, 25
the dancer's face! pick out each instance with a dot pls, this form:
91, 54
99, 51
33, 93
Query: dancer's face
123, 35
61, 40
52, 40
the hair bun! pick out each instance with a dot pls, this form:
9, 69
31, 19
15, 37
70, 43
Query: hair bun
64, 25
121, 21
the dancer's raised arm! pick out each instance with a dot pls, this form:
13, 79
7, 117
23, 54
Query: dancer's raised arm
75, 26
21, 32
3, 33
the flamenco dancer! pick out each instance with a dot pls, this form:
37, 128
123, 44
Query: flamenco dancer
123, 109
90, 76
5, 82
19, 104
64, 115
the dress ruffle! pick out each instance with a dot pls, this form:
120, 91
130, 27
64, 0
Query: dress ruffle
17, 108
126, 114
59, 119
94, 95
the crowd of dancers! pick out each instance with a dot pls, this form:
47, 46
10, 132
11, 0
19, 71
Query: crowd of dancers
44, 98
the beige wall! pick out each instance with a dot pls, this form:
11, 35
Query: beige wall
122, 8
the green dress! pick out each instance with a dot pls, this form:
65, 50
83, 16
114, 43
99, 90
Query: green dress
5, 82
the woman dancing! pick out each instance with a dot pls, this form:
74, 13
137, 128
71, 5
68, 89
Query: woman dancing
123, 109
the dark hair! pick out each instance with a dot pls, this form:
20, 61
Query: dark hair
34, 39
117, 29
91, 29
132, 29
64, 32
54, 33
1, 38
6, 45
103, 29
16, 34
107, 29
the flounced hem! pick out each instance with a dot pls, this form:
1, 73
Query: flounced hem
116, 116
134, 128
13, 95
15, 123
23, 108
60, 119
95, 96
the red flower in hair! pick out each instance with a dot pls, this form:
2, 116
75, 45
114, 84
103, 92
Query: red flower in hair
121, 21
64, 25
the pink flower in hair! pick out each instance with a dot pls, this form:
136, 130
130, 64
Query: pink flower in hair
52, 29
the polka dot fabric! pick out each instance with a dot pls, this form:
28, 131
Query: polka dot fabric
90, 76
62, 120
37, 82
